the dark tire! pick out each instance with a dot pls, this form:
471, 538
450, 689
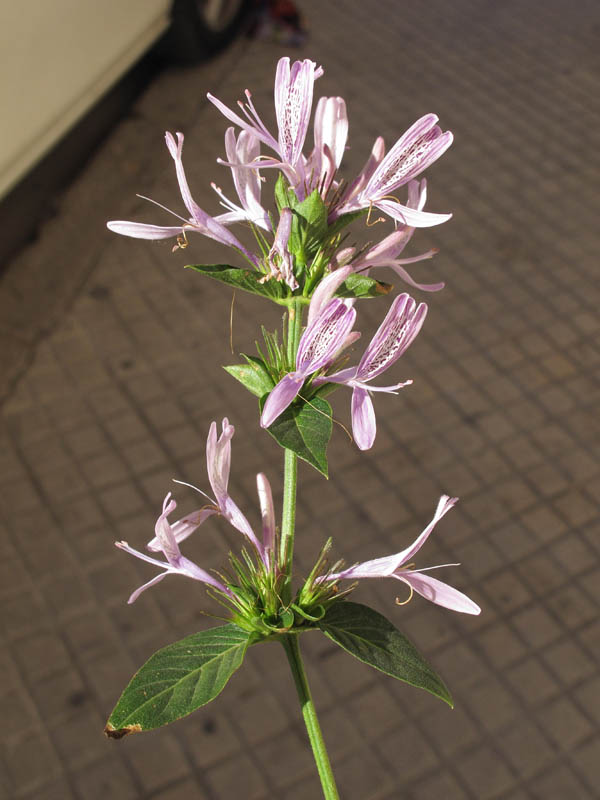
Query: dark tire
194, 36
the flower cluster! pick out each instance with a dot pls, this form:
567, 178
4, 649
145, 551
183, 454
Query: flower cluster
301, 258
373, 187
169, 535
319, 586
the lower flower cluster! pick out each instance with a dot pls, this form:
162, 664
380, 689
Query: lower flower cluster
252, 589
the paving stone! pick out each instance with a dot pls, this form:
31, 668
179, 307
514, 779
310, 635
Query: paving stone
105, 777
227, 777
557, 783
32, 762
485, 773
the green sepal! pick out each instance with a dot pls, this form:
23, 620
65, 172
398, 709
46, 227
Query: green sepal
372, 639
254, 375
320, 612
249, 280
179, 679
305, 427
363, 286
287, 618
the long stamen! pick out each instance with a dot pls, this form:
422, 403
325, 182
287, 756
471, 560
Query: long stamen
379, 219
405, 602
164, 208
195, 488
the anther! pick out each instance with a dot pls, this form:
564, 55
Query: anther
182, 242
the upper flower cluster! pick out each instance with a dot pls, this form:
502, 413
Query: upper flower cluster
382, 176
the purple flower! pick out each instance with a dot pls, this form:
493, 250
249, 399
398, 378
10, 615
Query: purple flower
417, 149
199, 220
319, 345
293, 101
218, 462
396, 566
385, 254
175, 563
399, 328
245, 149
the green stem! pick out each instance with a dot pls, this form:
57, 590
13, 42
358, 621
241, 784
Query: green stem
292, 649
286, 554
288, 520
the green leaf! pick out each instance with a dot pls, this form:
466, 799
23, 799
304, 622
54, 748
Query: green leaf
370, 637
363, 286
254, 375
249, 280
306, 429
179, 679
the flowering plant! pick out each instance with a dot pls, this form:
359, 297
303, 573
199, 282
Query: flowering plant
299, 263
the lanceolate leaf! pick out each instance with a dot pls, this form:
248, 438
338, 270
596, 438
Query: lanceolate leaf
254, 375
178, 679
305, 427
370, 637
363, 286
249, 280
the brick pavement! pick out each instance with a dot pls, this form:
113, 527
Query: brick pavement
112, 376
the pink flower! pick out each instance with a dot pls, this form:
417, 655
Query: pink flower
397, 566
385, 254
417, 149
393, 337
199, 220
293, 102
245, 149
218, 462
319, 345
175, 564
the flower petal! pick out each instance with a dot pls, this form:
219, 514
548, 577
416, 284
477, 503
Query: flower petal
139, 230
402, 273
416, 149
218, 459
281, 397
438, 592
191, 570
164, 534
157, 579
325, 336
293, 103
444, 505
409, 216
185, 526
364, 425
253, 128
267, 511
396, 333
325, 291
176, 150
